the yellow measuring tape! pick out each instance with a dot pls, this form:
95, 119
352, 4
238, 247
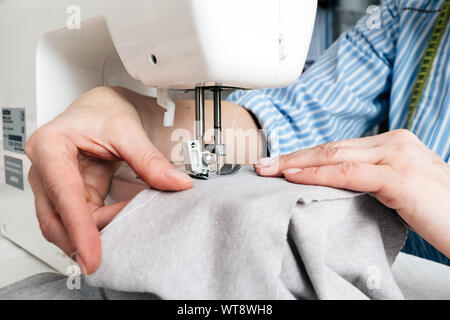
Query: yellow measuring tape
428, 60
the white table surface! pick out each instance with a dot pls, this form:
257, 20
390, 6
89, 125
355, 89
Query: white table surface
16, 264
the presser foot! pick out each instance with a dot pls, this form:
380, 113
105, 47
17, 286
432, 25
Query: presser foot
198, 163
229, 169
226, 170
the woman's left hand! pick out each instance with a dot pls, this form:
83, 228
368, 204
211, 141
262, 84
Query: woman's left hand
396, 167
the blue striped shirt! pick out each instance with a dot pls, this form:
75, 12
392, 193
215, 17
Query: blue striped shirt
366, 76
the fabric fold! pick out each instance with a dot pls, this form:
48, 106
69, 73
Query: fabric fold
227, 238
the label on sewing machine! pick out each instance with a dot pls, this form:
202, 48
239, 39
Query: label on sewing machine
14, 129
14, 172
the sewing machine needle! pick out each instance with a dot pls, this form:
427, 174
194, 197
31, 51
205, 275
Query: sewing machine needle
218, 126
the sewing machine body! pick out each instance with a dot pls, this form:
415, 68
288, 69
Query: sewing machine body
53, 52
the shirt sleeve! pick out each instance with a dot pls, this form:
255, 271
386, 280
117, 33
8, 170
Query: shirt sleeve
342, 96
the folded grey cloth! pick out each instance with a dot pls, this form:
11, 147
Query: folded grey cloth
247, 237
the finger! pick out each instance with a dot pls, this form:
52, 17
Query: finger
271, 166
328, 154
361, 177
97, 175
268, 167
50, 223
376, 140
365, 142
62, 180
104, 215
148, 163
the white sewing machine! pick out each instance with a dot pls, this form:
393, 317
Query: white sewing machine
53, 51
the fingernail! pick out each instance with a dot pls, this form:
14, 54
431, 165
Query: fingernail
264, 163
81, 264
292, 171
174, 173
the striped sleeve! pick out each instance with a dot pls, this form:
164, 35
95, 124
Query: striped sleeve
343, 95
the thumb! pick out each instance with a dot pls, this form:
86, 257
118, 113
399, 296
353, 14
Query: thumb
149, 164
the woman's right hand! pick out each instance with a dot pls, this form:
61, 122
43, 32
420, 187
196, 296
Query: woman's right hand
73, 160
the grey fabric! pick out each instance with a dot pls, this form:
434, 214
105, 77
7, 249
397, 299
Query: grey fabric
227, 238
53, 286
245, 237
48, 286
